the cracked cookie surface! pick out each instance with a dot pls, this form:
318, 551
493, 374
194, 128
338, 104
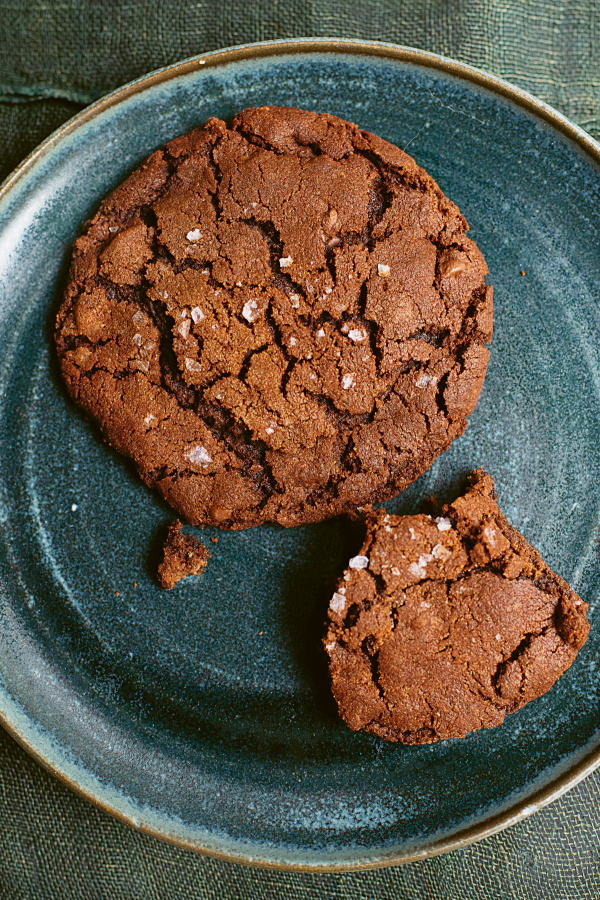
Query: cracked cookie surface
276, 321
443, 626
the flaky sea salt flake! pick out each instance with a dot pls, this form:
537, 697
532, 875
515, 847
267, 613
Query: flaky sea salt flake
249, 311
194, 235
383, 270
199, 455
358, 562
441, 552
337, 602
491, 534
356, 334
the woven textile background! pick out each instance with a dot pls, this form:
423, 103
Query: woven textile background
56, 56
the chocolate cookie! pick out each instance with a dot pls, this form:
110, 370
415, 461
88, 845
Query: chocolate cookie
442, 626
183, 555
276, 321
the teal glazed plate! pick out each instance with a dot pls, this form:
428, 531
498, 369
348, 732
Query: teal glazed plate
202, 715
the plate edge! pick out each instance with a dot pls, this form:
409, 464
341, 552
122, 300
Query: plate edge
308, 45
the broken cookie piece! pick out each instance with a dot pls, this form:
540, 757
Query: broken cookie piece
182, 555
442, 626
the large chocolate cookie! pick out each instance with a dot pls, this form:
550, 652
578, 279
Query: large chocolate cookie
277, 321
442, 626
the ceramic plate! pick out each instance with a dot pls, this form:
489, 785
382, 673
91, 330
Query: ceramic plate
202, 715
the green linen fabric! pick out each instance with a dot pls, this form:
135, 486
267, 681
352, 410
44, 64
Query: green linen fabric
56, 56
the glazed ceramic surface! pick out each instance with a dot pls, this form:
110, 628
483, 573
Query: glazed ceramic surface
203, 714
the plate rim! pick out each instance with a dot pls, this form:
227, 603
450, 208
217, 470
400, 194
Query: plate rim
575, 773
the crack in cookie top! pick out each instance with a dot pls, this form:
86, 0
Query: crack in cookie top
276, 321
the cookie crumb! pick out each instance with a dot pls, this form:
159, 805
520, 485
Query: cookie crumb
522, 271
183, 555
